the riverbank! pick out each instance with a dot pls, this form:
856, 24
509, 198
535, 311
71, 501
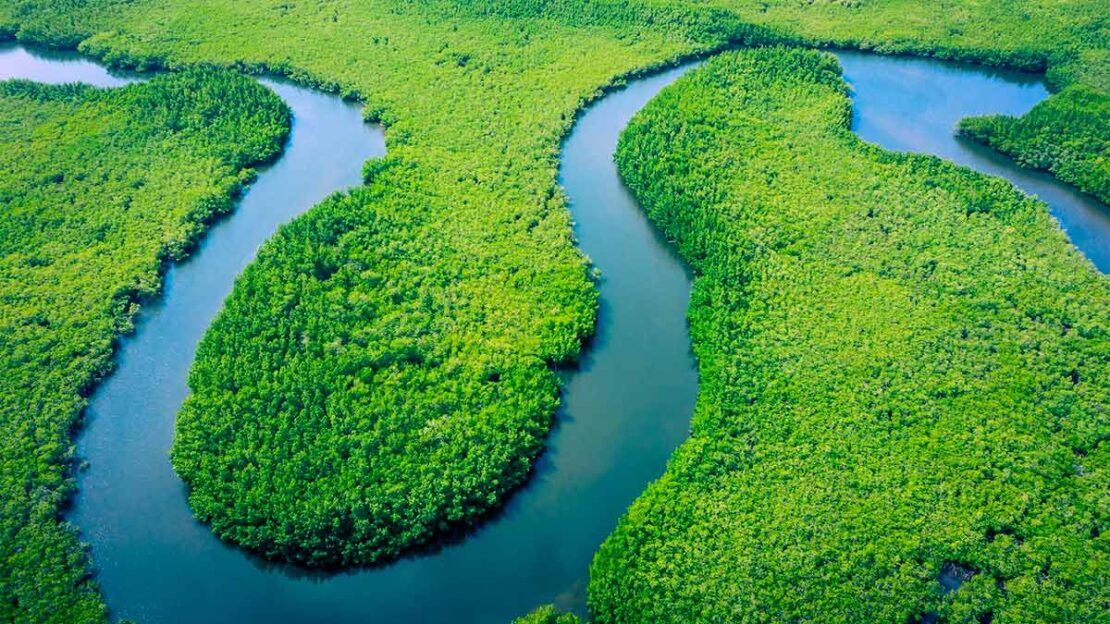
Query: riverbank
101, 191
902, 365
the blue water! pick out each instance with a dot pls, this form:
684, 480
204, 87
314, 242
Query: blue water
625, 407
913, 105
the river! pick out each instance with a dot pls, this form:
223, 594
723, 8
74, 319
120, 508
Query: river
912, 104
626, 406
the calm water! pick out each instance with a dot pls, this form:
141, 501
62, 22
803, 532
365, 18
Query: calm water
913, 105
54, 67
625, 408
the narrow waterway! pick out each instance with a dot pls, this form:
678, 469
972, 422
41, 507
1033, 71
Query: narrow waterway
913, 105
625, 408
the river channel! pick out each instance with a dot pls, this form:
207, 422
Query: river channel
626, 406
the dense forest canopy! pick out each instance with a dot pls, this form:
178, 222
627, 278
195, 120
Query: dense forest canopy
407, 332
905, 373
409, 328
1069, 39
547, 614
429, 305
98, 188
1068, 135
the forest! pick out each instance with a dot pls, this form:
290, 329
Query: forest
547, 614
460, 245
408, 332
99, 189
387, 370
903, 375
1067, 135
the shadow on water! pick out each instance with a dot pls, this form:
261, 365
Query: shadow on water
58, 67
626, 404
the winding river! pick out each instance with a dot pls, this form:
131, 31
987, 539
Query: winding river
626, 406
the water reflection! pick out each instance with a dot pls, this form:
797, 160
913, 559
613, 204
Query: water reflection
910, 104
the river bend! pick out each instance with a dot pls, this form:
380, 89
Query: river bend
626, 406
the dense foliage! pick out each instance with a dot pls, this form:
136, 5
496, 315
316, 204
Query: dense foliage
1070, 39
385, 369
905, 375
1068, 134
547, 614
98, 189
408, 329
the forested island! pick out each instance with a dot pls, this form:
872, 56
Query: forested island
904, 364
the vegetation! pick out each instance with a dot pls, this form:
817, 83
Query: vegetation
904, 375
1070, 39
1068, 134
98, 189
408, 329
548, 615
384, 371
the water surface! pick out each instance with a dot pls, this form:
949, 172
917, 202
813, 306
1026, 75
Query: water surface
913, 105
55, 67
155, 562
625, 408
